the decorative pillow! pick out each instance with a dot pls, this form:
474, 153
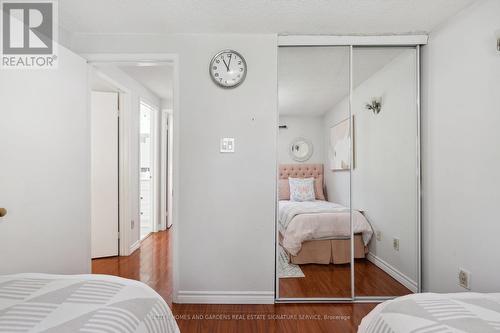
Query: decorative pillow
318, 188
301, 189
283, 189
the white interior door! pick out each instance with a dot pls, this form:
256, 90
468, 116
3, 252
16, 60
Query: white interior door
104, 174
44, 168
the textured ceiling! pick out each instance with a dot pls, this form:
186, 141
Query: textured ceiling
256, 16
311, 80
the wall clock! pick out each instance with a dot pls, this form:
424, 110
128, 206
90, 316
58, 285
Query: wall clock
228, 69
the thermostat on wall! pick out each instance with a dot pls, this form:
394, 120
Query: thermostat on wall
227, 145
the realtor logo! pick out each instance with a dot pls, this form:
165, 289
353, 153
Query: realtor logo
28, 34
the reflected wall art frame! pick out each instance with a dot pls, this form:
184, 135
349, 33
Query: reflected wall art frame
340, 146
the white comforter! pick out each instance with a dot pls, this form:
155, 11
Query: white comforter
311, 220
81, 303
429, 312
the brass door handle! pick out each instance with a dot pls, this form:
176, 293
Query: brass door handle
3, 212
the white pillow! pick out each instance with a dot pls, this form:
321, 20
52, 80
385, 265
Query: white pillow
301, 189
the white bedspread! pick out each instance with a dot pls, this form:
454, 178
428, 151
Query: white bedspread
429, 312
81, 303
311, 220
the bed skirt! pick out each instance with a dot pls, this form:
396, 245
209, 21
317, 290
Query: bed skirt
336, 251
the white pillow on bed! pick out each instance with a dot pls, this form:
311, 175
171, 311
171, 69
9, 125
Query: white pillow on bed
301, 189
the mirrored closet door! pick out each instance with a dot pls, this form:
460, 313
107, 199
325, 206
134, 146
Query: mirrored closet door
384, 182
313, 227
348, 209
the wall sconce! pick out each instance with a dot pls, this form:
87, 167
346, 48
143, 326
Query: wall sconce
375, 106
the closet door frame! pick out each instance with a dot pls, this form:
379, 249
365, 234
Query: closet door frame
415, 41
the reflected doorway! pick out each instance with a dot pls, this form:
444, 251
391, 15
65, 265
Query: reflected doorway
146, 148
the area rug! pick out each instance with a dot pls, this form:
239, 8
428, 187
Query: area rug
285, 268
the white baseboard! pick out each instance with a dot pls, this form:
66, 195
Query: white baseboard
225, 297
397, 275
135, 246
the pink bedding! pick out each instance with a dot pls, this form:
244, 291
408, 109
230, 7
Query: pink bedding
311, 220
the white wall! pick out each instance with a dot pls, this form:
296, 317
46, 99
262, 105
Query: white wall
166, 104
130, 150
45, 168
384, 179
461, 160
225, 213
310, 128
384, 183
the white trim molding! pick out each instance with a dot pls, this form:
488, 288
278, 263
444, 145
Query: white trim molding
393, 272
358, 40
151, 59
135, 246
225, 297
130, 58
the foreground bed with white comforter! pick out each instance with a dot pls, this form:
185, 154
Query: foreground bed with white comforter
426, 313
81, 303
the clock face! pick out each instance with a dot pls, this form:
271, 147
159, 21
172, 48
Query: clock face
228, 69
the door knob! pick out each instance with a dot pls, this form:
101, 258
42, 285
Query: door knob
3, 212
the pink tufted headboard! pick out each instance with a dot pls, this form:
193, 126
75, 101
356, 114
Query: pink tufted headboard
300, 171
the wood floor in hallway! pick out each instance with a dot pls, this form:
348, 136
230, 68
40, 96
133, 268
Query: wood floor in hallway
151, 264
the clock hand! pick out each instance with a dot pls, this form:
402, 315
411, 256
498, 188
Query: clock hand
230, 58
227, 66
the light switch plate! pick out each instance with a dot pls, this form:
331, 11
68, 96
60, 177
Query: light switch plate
227, 145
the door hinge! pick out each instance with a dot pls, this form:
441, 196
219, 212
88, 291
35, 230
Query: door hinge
118, 235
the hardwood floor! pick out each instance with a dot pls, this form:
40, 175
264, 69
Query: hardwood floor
335, 281
151, 264
319, 281
369, 280
289, 318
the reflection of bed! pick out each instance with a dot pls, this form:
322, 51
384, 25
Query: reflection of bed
81, 303
326, 251
460, 312
319, 231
